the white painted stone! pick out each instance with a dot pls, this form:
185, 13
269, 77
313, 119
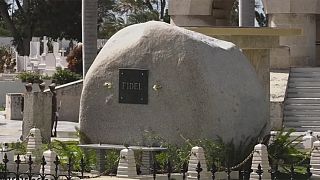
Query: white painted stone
34, 143
56, 48
260, 156
308, 140
209, 88
197, 155
50, 157
127, 164
314, 160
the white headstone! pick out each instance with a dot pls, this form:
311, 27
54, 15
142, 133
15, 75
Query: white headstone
45, 46
260, 156
127, 164
314, 160
197, 155
20, 64
56, 49
34, 51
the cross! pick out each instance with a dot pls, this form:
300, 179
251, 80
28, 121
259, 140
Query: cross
62, 52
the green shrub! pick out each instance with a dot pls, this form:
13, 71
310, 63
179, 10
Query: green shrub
30, 77
65, 76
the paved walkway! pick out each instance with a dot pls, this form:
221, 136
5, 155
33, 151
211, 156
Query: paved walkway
11, 130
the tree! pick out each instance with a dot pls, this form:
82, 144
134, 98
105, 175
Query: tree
56, 19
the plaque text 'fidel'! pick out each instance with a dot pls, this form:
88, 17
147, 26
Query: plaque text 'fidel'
133, 86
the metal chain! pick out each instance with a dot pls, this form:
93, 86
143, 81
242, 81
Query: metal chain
242, 163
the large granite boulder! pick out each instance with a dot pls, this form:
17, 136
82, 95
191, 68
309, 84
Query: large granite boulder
198, 87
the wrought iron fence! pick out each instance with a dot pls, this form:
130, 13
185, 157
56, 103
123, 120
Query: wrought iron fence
30, 175
244, 174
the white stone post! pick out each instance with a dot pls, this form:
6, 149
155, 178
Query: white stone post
50, 157
45, 46
127, 164
197, 155
34, 143
260, 156
308, 140
315, 160
246, 13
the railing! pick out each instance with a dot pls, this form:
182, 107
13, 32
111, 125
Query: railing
30, 175
244, 174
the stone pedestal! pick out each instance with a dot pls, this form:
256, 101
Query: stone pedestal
308, 140
260, 156
37, 113
314, 161
127, 164
197, 155
295, 14
50, 157
200, 12
34, 143
14, 106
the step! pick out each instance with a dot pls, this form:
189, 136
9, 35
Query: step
303, 79
315, 101
301, 118
301, 112
303, 90
304, 129
308, 69
302, 124
304, 84
303, 95
302, 107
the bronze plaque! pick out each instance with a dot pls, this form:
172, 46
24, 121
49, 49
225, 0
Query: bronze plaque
133, 86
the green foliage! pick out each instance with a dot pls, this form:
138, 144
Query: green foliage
63, 76
283, 150
30, 77
217, 151
66, 150
2, 108
112, 160
6, 60
19, 147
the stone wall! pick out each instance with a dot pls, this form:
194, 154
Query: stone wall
318, 41
68, 98
12, 87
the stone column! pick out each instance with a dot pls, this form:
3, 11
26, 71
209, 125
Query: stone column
37, 113
260, 156
127, 164
89, 33
295, 14
246, 13
200, 12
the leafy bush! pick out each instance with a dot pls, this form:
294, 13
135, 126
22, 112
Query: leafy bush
30, 77
7, 62
65, 76
74, 59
